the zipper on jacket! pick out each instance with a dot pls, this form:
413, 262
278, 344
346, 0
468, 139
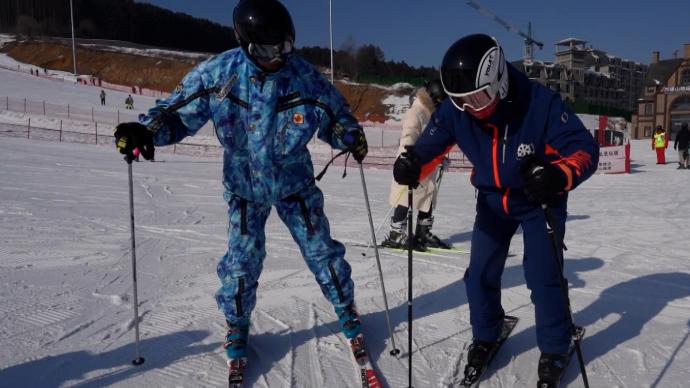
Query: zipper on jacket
505, 141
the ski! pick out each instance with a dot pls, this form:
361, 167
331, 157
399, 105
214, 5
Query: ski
473, 376
579, 334
451, 250
365, 370
236, 372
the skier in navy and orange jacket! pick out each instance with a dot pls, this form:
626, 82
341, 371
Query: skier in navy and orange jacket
527, 148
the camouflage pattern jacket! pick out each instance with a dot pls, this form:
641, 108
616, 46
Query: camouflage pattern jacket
264, 120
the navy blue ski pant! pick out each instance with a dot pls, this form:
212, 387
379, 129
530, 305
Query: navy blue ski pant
493, 230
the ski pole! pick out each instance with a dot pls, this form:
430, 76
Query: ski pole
556, 243
138, 360
410, 248
395, 350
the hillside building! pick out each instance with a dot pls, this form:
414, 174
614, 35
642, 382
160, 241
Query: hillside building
665, 100
582, 73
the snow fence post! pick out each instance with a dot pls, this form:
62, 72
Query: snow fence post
96, 133
24, 105
381, 137
67, 110
7, 102
60, 131
118, 116
92, 114
44, 108
28, 128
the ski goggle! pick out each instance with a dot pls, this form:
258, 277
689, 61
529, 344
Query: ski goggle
476, 100
270, 52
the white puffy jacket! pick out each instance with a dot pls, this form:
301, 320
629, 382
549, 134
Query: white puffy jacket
414, 122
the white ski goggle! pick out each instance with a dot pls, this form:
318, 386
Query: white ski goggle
476, 99
270, 52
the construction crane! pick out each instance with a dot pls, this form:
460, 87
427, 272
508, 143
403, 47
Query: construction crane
528, 54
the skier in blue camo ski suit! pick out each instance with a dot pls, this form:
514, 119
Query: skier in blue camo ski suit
527, 148
266, 103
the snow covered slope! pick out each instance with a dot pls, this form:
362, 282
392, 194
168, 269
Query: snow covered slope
65, 279
66, 297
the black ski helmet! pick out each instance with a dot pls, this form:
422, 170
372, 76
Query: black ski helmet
262, 22
473, 63
435, 90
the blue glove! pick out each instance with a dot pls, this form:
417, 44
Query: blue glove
356, 142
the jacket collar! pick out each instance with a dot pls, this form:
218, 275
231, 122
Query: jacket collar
516, 103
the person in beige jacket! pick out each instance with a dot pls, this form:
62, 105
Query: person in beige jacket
415, 120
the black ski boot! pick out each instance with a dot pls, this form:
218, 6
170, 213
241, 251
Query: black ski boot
478, 357
397, 238
424, 237
551, 369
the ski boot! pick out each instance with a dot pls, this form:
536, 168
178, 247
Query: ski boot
424, 237
349, 320
478, 356
551, 369
236, 349
397, 238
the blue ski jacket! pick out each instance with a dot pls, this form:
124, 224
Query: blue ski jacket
264, 121
531, 119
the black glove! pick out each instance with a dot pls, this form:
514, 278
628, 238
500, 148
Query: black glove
129, 136
541, 181
407, 168
356, 143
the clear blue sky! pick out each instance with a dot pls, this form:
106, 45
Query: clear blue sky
419, 31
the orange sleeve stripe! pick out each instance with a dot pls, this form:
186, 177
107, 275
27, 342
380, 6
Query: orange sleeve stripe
548, 150
430, 166
579, 160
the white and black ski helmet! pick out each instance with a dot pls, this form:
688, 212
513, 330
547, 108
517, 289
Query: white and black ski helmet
474, 72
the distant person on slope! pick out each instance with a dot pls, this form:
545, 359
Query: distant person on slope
660, 143
129, 102
681, 144
102, 97
527, 148
427, 99
266, 103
